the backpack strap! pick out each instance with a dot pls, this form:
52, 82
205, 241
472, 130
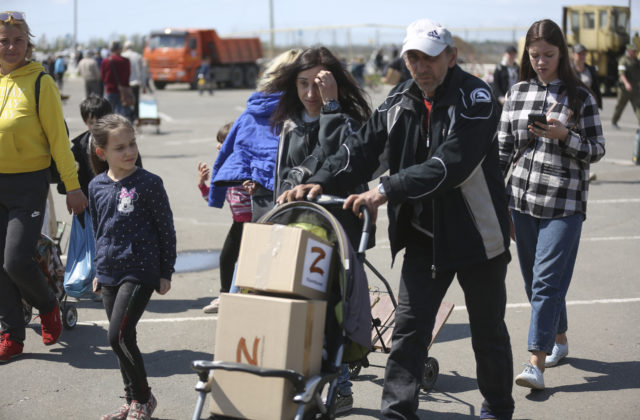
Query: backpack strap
42, 73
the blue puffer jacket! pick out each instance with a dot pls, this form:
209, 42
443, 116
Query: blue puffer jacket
249, 151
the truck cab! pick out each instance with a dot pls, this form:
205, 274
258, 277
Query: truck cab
604, 31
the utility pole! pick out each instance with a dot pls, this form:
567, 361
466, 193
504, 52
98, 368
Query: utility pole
271, 29
75, 26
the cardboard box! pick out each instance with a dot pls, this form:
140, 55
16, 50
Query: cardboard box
269, 332
285, 260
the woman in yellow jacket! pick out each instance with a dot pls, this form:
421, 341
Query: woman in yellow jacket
28, 141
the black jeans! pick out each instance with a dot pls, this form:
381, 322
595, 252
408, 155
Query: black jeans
229, 255
418, 301
125, 304
23, 198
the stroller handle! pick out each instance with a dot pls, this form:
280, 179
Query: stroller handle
328, 200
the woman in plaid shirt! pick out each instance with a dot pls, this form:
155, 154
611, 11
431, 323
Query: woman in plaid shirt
549, 184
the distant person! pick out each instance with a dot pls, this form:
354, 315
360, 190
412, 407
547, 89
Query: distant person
549, 184
396, 72
204, 77
59, 69
29, 141
586, 73
239, 201
135, 251
90, 72
378, 61
505, 74
357, 70
629, 85
135, 76
114, 72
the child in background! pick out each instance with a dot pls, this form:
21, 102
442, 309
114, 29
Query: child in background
135, 250
240, 203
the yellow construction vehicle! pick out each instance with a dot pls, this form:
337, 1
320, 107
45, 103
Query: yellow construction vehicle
604, 31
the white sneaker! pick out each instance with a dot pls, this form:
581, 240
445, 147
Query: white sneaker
212, 308
559, 352
531, 377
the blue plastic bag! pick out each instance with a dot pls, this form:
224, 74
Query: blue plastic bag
80, 269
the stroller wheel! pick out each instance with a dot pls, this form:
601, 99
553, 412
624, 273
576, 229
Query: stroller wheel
354, 369
431, 370
69, 317
28, 313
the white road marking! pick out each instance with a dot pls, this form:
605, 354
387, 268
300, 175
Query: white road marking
457, 308
615, 201
569, 303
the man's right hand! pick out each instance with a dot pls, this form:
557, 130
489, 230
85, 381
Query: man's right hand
299, 192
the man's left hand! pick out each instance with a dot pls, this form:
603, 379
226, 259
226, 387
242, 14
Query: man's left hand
372, 199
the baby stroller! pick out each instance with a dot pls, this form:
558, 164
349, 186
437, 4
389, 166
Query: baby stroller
48, 258
309, 393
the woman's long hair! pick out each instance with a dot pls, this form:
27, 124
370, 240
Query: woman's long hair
100, 131
350, 95
548, 31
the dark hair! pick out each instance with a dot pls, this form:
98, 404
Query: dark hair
101, 131
224, 132
350, 94
548, 31
94, 106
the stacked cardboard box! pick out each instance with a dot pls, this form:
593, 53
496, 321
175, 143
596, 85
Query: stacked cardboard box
268, 331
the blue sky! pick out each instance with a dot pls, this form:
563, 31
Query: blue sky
104, 18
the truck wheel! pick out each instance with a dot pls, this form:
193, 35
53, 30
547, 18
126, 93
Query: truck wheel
250, 77
237, 78
160, 85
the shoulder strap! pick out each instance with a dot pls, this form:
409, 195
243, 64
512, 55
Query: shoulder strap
42, 73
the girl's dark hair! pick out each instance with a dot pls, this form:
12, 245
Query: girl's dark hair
548, 31
100, 131
350, 94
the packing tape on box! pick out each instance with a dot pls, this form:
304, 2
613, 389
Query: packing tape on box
267, 258
308, 335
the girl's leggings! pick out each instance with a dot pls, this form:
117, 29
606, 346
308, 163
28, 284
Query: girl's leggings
125, 304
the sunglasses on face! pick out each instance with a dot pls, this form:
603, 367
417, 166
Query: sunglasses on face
6, 16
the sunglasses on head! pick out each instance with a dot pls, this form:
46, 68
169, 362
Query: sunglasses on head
6, 16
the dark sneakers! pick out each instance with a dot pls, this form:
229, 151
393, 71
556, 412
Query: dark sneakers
9, 348
51, 324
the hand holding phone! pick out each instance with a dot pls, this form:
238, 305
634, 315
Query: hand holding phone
535, 117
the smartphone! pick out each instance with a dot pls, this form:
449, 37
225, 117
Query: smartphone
534, 117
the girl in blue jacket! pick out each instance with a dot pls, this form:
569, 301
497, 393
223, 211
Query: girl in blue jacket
135, 250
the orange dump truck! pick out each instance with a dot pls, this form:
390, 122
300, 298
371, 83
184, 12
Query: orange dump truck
174, 56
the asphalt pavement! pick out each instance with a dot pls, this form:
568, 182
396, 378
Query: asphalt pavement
78, 377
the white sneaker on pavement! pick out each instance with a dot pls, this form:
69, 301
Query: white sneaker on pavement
531, 377
559, 352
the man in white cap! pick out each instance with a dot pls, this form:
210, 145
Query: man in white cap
436, 133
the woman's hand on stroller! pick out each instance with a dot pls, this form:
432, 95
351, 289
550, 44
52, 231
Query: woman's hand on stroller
372, 199
300, 192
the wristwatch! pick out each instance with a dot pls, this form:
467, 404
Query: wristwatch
331, 106
381, 189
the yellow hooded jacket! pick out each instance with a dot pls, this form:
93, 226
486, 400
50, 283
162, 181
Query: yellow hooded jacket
26, 142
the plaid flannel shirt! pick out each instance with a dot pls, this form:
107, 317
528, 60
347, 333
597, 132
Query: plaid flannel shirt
550, 178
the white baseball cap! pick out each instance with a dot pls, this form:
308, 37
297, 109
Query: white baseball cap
427, 36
